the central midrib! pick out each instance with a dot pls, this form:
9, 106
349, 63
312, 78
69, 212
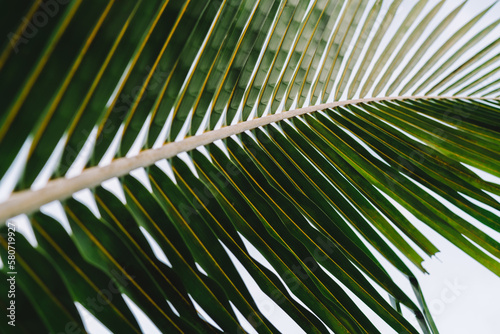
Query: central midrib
27, 201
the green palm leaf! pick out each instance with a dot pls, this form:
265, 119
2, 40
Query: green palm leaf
227, 142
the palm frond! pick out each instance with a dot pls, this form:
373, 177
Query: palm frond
312, 203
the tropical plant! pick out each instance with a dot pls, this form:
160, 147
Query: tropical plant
162, 151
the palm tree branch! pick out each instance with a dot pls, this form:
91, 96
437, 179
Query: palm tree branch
27, 201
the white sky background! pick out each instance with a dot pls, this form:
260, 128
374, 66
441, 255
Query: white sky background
470, 307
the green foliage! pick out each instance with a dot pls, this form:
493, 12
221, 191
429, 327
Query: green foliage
306, 204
